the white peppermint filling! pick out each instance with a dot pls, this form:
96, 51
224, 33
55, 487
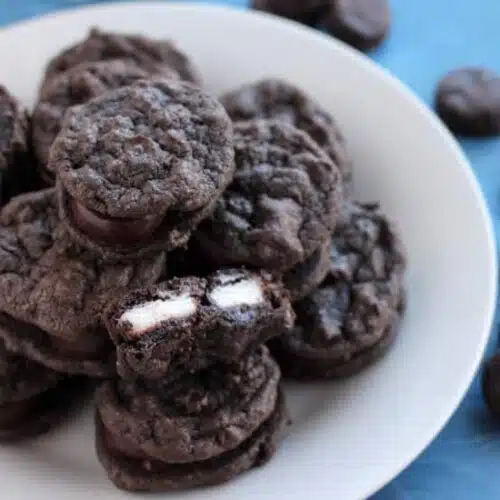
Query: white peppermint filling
143, 317
246, 292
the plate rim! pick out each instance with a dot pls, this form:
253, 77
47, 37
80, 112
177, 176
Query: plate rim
390, 79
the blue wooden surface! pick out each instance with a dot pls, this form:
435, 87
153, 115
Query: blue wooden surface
428, 38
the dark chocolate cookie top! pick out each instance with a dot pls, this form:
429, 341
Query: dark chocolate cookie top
52, 284
76, 86
21, 378
277, 99
283, 203
152, 147
304, 11
468, 101
360, 23
361, 295
198, 417
153, 55
185, 324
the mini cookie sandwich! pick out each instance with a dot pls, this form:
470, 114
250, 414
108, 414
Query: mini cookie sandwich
277, 99
203, 430
17, 169
52, 293
154, 56
352, 319
76, 86
140, 167
307, 12
33, 399
198, 417
283, 203
186, 324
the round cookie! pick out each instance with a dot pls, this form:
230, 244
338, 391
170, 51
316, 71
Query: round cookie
282, 204
468, 102
155, 56
196, 418
141, 166
307, 12
274, 98
17, 169
33, 399
361, 23
491, 384
76, 86
304, 278
187, 324
352, 319
52, 293
139, 474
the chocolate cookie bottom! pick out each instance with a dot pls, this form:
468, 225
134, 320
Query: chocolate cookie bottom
301, 361
39, 414
32, 342
149, 475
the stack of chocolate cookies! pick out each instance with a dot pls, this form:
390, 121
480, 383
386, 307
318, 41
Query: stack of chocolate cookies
33, 396
87, 237
189, 251
290, 210
198, 399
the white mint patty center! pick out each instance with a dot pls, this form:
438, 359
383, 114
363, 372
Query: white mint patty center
145, 316
245, 292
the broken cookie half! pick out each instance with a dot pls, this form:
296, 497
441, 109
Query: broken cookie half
186, 324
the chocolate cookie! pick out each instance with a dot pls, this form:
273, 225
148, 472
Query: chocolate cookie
186, 324
282, 204
307, 12
52, 293
304, 278
277, 99
17, 169
491, 384
76, 86
351, 320
33, 399
131, 471
196, 418
361, 23
468, 101
141, 166
155, 56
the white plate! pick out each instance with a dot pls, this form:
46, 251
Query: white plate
351, 437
